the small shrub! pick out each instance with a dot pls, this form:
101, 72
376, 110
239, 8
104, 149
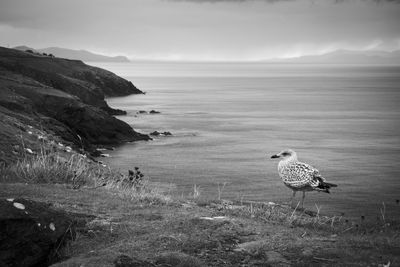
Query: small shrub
135, 187
136, 178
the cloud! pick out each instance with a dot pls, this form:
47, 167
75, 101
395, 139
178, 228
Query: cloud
214, 30
230, 1
276, 1
375, 1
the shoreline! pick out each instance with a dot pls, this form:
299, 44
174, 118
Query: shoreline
53, 100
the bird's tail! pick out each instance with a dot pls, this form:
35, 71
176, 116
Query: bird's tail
324, 186
330, 185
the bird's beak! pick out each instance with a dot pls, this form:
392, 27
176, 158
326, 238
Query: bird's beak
274, 157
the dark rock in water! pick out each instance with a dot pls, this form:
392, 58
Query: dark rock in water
154, 112
126, 261
95, 153
116, 112
155, 133
31, 233
142, 112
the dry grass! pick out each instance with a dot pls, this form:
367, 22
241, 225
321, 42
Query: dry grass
78, 171
308, 220
196, 192
272, 212
143, 192
50, 168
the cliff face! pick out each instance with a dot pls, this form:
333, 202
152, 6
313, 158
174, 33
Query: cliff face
64, 98
89, 83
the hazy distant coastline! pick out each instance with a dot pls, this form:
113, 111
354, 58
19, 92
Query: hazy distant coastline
83, 55
348, 57
341, 56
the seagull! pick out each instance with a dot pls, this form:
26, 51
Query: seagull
300, 176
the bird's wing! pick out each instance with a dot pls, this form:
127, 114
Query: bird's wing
300, 175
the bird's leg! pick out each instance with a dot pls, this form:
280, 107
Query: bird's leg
302, 199
293, 196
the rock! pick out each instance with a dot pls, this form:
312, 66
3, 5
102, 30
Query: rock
126, 261
307, 252
216, 218
154, 112
155, 133
252, 247
31, 233
116, 112
29, 150
276, 258
95, 153
257, 247
142, 112
178, 259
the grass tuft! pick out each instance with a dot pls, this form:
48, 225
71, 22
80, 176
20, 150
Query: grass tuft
49, 168
78, 171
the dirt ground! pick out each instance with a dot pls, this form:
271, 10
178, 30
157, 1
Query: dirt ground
113, 231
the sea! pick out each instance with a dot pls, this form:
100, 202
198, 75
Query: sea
228, 119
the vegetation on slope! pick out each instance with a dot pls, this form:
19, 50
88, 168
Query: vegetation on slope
60, 98
128, 219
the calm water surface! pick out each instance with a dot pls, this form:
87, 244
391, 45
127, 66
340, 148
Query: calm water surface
228, 119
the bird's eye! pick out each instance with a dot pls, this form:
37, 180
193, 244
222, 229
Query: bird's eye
285, 154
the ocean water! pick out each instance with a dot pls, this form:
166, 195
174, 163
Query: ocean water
227, 119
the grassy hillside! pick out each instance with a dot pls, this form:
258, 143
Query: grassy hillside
51, 100
124, 218
189, 232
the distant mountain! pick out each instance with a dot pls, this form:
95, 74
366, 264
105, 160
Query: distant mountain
23, 48
350, 57
75, 54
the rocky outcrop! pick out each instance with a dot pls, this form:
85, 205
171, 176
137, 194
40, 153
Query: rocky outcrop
90, 84
157, 133
32, 234
60, 97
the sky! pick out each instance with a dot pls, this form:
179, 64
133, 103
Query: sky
209, 30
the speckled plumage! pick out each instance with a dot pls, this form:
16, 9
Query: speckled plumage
300, 176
